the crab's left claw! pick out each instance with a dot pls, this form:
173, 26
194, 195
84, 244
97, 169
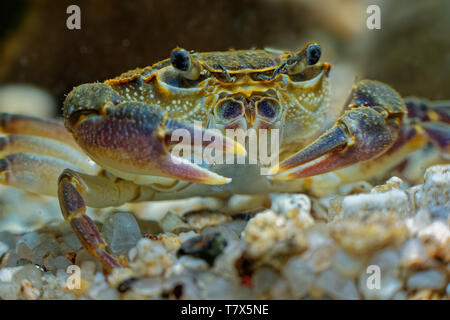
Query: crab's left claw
136, 138
369, 127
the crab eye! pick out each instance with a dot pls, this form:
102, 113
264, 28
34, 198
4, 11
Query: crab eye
230, 109
180, 59
268, 108
313, 53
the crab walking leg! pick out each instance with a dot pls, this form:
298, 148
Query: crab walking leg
370, 126
433, 118
33, 172
46, 147
75, 190
34, 126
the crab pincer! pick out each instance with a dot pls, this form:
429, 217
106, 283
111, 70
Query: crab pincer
369, 126
136, 137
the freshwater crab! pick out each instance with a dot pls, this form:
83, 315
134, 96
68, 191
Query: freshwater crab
117, 146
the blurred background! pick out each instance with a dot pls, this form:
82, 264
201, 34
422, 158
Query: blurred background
41, 60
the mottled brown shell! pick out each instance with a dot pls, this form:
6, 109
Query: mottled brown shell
238, 61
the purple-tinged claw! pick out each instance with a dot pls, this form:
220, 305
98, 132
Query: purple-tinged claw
333, 140
361, 134
368, 128
135, 138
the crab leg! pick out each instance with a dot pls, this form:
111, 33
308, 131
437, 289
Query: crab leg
75, 190
34, 126
369, 127
32, 172
14, 144
135, 137
34, 161
434, 120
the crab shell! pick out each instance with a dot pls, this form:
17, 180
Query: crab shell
303, 98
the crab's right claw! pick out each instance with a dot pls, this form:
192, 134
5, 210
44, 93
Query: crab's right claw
368, 128
136, 138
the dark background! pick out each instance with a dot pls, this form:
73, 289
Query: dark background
410, 52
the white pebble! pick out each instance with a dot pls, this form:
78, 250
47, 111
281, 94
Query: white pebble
413, 252
148, 286
388, 261
263, 279
388, 288
61, 262
100, 290
300, 276
121, 232
72, 240
346, 265
360, 204
337, 286
6, 274
26, 244
430, 279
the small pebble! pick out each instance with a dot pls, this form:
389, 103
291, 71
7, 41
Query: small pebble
7, 238
27, 243
206, 246
400, 295
300, 276
149, 287
121, 232
413, 252
61, 262
72, 240
48, 247
100, 290
432, 279
263, 279
295, 206
337, 286
347, 265
388, 286
31, 274
173, 223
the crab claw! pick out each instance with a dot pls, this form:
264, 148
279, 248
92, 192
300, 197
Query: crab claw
368, 128
135, 138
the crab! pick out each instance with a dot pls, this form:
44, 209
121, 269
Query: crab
115, 145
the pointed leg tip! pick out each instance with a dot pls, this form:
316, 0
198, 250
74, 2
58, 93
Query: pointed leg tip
240, 149
216, 180
286, 175
273, 172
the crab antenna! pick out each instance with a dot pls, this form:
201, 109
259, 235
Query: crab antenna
307, 56
185, 64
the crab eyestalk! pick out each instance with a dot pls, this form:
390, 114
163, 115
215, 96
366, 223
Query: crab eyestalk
368, 128
185, 64
297, 62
